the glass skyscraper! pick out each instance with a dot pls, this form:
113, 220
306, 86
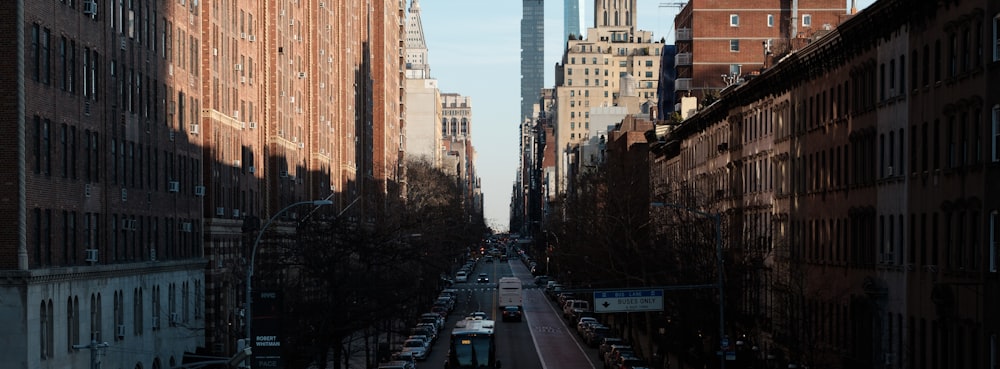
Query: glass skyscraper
532, 54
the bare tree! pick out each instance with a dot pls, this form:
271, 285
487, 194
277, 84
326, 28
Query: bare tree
343, 280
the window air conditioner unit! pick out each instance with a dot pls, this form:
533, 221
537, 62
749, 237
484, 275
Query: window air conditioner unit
156, 322
251, 169
283, 174
90, 7
173, 186
253, 124
124, 195
302, 74
120, 331
236, 213
194, 129
91, 255
86, 190
238, 67
199, 190
186, 227
171, 136
236, 163
302, 145
889, 171
251, 38
243, 35
174, 319
220, 211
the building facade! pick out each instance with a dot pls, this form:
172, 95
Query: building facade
615, 60
103, 247
158, 138
720, 42
854, 179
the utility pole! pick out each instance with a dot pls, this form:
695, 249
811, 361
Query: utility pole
96, 349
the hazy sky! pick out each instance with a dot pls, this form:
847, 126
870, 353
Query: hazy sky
475, 51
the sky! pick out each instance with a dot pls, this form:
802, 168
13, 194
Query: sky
475, 51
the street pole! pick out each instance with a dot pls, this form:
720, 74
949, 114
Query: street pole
253, 257
717, 222
96, 349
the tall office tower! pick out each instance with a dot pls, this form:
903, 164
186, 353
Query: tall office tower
718, 42
422, 132
532, 54
572, 19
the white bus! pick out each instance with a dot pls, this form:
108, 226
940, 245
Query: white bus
509, 292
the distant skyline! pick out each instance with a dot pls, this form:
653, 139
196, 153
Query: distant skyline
474, 50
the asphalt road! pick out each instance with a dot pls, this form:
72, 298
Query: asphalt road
542, 340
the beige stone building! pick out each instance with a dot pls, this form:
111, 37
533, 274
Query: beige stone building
614, 60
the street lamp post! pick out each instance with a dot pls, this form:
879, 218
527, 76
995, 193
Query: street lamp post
717, 219
253, 258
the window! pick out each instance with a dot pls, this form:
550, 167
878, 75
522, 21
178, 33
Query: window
996, 133
994, 240
806, 20
734, 45
770, 20
996, 37
734, 20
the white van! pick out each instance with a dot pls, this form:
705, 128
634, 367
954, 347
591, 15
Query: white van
461, 276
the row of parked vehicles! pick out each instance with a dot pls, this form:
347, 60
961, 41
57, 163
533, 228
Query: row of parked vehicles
613, 351
422, 336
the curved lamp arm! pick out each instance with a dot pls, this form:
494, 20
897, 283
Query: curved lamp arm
253, 259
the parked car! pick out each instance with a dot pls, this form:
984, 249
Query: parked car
595, 333
397, 364
541, 280
461, 276
605, 345
417, 347
424, 329
434, 318
583, 322
630, 362
440, 310
511, 314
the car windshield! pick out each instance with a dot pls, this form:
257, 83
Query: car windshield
413, 343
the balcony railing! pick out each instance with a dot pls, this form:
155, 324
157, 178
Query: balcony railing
682, 59
683, 34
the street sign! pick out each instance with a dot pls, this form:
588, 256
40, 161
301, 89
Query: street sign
628, 301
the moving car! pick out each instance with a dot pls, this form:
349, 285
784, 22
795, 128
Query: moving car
483, 278
511, 314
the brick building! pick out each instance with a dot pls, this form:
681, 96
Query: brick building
149, 140
719, 42
854, 180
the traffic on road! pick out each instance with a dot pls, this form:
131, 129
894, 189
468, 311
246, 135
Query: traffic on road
506, 317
